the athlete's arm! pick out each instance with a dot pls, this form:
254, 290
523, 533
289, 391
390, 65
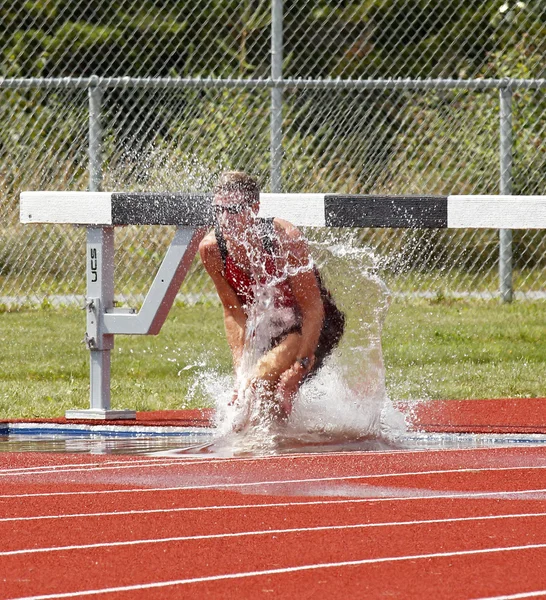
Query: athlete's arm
304, 287
234, 315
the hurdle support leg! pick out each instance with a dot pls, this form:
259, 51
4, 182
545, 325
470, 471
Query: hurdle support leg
161, 295
104, 320
100, 297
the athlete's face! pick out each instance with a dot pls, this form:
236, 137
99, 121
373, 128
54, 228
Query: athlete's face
233, 212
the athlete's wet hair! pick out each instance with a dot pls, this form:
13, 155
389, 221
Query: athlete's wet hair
240, 183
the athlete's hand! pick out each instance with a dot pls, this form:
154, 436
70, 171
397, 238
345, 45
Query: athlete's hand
269, 366
304, 364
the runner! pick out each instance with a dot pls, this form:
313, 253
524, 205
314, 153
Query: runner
267, 282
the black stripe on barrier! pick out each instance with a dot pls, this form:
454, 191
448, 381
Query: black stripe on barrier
386, 211
340, 210
161, 209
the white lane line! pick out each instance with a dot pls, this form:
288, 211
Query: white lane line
183, 460
214, 536
151, 460
316, 566
217, 486
126, 465
221, 486
38, 468
200, 462
515, 596
217, 507
191, 459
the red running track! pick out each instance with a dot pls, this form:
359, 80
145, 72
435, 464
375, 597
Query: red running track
498, 415
401, 524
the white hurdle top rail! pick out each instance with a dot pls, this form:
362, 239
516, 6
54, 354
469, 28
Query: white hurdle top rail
312, 210
193, 214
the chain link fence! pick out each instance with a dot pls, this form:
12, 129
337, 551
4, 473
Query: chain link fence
396, 97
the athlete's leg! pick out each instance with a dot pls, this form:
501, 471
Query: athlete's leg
291, 380
255, 404
287, 388
279, 359
257, 397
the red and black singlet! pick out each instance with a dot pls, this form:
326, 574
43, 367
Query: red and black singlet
243, 283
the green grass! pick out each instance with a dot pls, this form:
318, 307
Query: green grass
465, 349
44, 366
449, 349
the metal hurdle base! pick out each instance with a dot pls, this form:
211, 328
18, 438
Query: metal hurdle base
104, 320
100, 414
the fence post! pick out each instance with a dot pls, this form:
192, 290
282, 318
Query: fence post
276, 94
95, 136
505, 235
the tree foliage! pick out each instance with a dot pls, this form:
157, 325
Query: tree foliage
327, 38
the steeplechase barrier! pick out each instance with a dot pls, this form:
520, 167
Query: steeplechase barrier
192, 216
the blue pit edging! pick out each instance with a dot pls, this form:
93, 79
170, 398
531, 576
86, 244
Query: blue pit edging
111, 431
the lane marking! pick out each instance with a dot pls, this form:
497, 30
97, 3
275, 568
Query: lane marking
187, 487
219, 486
316, 566
180, 460
83, 467
86, 468
214, 536
192, 459
303, 455
193, 509
515, 596
405, 451
199, 462
58, 467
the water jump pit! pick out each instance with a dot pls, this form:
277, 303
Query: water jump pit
427, 424
430, 424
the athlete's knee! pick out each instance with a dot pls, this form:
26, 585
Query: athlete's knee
291, 379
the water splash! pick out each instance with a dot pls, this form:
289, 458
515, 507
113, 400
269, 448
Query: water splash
157, 168
347, 399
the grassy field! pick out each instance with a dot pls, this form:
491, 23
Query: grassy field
442, 349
